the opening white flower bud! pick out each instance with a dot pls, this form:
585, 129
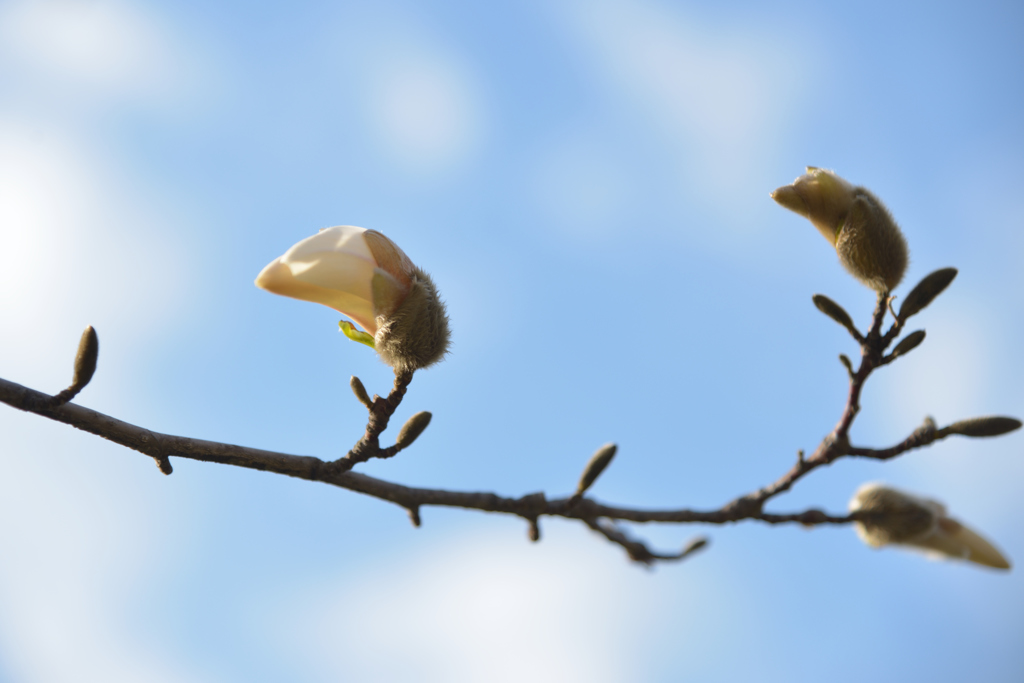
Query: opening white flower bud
854, 221
894, 517
364, 275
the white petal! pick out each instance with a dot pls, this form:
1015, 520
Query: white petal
334, 268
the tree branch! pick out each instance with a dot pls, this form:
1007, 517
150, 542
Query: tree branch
598, 517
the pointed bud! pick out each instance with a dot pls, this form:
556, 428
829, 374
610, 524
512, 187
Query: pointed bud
926, 291
889, 516
694, 545
845, 360
983, 426
597, 464
85, 359
869, 243
908, 344
411, 430
360, 391
836, 312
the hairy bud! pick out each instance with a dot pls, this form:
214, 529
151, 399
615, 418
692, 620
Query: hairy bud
868, 241
888, 516
86, 357
926, 291
595, 466
360, 391
908, 343
984, 426
412, 428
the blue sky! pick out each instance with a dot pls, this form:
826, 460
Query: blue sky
588, 184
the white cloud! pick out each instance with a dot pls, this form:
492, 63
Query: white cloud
76, 556
480, 608
420, 100
95, 50
425, 111
79, 249
424, 108
719, 96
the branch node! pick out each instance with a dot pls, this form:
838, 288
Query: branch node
414, 516
85, 367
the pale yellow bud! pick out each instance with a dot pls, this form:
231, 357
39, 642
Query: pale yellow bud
364, 275
894, 517
854, 221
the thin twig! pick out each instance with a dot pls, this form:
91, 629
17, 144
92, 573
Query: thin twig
157, 445
530, 507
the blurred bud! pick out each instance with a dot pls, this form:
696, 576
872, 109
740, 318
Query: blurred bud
412, 428
870, 245
836, 312
894, 517
364, 275
926, 290
908, 343
85, 359
595, 466
983, 426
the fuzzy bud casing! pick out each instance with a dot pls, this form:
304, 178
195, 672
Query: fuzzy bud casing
866, 238
86, 357
890, 516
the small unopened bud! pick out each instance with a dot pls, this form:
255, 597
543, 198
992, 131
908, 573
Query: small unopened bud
889, 516
845, 360
908, 344
926, 291
984, 426
836, 312
85, 359
411, 430
595, 466
360, 391
695, 545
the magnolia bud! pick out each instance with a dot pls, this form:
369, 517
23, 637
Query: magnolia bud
85, 359
594, 467
870, 245
412, 429
364, 275
889, 516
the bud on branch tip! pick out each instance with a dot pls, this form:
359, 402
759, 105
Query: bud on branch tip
411, 430
365, 275
836, 312
85, 358
866, 238
889, 516
926, 291
908, 344
984, 426
595, 466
